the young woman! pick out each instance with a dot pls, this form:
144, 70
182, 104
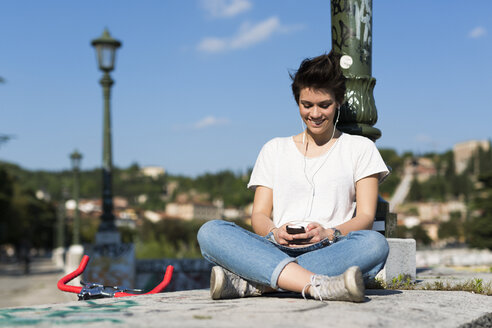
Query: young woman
322, 180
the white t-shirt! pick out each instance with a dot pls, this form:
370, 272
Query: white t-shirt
319, 189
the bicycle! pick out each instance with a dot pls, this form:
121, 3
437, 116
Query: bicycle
95, 291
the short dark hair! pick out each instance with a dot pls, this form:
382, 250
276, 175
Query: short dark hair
320, 73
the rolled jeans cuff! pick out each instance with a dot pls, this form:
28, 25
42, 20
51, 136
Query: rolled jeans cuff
278, 269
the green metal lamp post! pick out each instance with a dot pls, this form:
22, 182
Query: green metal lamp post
76, 158
351, 29
106, 52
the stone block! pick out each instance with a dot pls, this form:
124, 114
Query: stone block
73, 258
401, 260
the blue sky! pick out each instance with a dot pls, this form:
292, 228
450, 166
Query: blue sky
201, 85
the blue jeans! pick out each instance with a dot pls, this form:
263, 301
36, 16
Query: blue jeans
261, 259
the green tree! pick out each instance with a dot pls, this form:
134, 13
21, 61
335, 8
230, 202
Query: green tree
395, 162
416, 192
417, 232
453, 228
480, 226
22, 215
6, 210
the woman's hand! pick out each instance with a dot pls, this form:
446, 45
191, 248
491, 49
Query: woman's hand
317, 233
314, 233
281, 235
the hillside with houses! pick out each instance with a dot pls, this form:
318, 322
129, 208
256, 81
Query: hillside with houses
434, 196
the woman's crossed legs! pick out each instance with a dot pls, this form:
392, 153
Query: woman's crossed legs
260, 260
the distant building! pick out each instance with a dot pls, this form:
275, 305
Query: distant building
153, 216
232, 213
430, 211
120, 202
463, 151
424, 169
127, 218
152, 171
93, 207
188, 211
87, 206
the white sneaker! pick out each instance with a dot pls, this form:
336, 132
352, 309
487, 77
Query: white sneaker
348, 286
225, 284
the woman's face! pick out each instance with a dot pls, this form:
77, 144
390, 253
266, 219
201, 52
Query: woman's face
317, 109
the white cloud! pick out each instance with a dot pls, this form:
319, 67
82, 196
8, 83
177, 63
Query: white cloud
212, 45
248, 35
477, 32
251, 34
226, 8
206, 122
210, 121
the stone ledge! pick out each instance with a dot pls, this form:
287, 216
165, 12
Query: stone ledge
382, 308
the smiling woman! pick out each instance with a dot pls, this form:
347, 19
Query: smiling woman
311, 181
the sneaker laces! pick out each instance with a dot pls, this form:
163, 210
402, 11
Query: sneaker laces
242, 286
314, 289
331, 287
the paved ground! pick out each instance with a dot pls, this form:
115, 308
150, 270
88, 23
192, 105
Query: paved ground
382, 308
37, 287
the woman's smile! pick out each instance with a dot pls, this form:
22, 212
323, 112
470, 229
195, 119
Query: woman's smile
316, 122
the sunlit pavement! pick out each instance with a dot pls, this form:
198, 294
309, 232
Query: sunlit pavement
382, 308
37, 287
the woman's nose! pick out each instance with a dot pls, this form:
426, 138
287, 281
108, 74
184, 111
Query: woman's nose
316, 112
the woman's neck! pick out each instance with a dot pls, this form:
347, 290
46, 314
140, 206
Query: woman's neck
321, 139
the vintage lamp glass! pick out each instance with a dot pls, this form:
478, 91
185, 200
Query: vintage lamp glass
106, 51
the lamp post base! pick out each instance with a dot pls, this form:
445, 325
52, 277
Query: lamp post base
108, 237
111, 264
361, 130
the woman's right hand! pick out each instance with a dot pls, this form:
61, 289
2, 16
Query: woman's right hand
281, 235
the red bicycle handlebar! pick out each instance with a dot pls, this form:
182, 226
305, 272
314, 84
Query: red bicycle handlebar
62, 283
165, 281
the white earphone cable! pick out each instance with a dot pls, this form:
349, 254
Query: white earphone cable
311, 182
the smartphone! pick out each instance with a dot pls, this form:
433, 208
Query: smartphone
295, 229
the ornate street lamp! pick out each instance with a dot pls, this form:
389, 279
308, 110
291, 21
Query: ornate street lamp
351, 29
76, 158
106, 52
